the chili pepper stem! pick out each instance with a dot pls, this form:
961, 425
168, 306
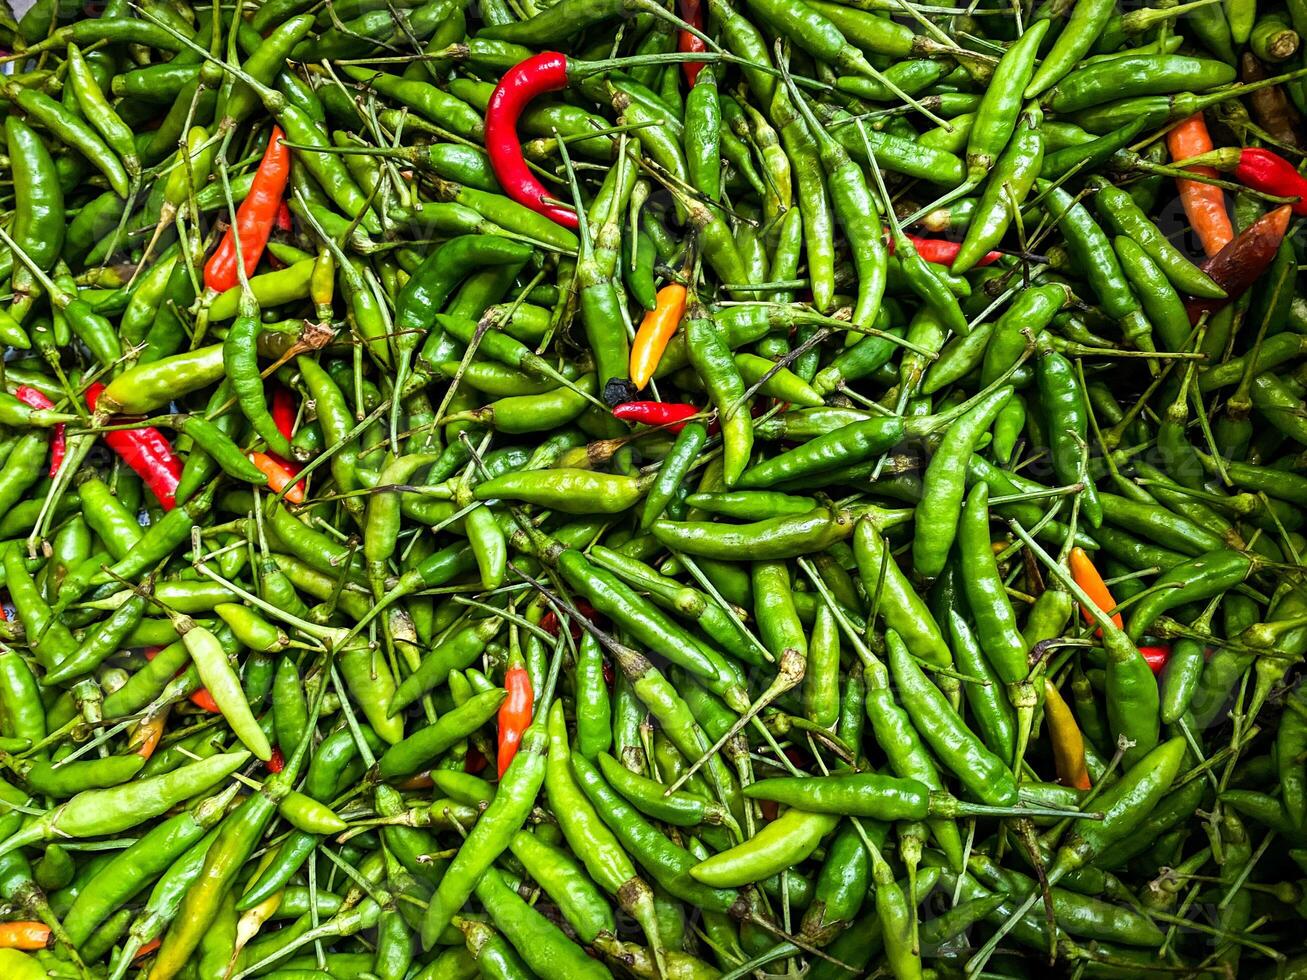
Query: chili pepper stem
792, 666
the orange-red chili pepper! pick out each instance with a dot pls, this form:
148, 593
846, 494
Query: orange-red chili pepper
255, 218
656, 332
515, 712
147, 452
939, 250
279, 476
1204, 204
1087, 577
1068, 743
24, 935
58, 442
276, 762
147, 949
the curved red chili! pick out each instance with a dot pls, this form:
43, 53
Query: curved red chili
146, 452
669, 414
545, 72
514, 713
255, 218
692, 13
58, 443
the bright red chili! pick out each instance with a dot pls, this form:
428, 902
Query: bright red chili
146, 452
939, 250
669, 414
283, 217
545, 72
255, 218
692, 13
58, 443
514, 713
1156, 657
277, 762
1263, 170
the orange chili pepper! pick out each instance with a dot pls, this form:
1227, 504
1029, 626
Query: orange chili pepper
255, 218
655, 332
1087, 577
279, 477
148, 733
1204, 204
24, 935
1068, 743
147, 949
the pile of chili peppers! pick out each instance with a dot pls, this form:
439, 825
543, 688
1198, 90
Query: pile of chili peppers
614, 488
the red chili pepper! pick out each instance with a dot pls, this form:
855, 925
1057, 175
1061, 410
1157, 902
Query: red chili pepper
58, 443
474, 762
277, 762
147, 452
549, 621
545, 72
254, 218
283, 411
283, 217
1263, 170
514, 713
669, 414
692, 13
283, 417
940, 250
1156, 657
201, 697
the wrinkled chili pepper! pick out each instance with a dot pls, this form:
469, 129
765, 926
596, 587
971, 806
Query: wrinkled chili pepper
147, 452
1237, 266
58, 441
1204, 204
255, 218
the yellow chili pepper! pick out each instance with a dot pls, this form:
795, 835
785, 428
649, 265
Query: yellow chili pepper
1068, 743
655, 332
